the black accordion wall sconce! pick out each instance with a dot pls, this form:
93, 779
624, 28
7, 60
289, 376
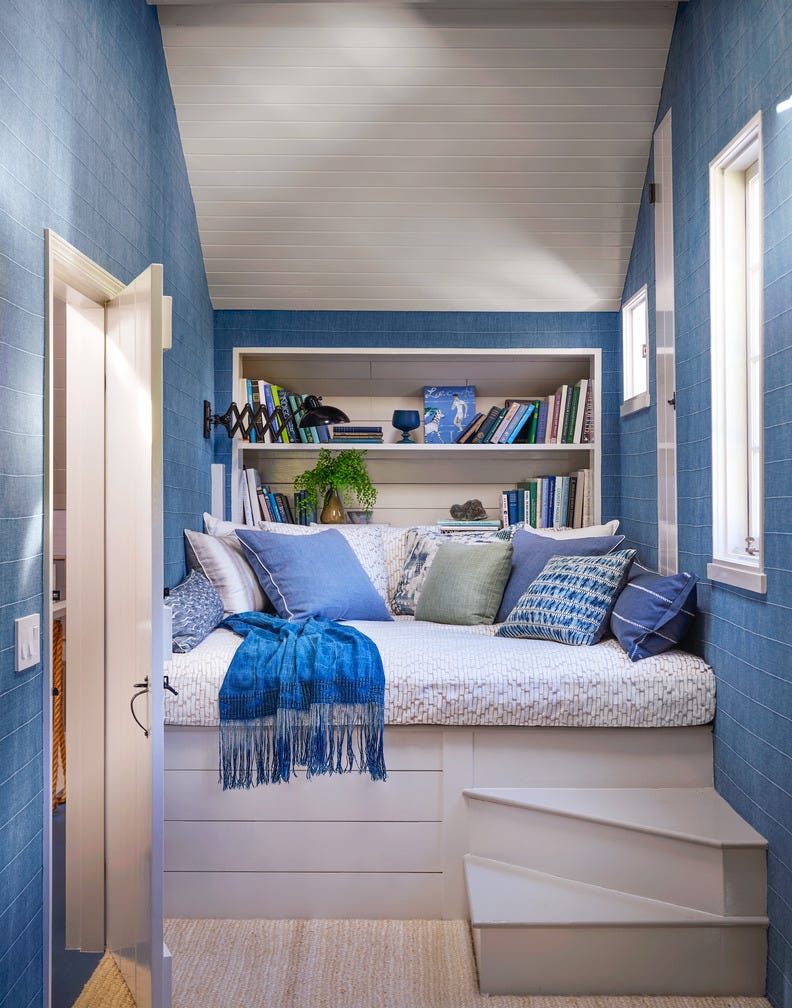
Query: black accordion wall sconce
247, 419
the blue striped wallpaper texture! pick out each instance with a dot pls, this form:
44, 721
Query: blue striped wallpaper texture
728, 60
428, 329
89, 146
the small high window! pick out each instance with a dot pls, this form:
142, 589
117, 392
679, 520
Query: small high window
736, 312
635, 352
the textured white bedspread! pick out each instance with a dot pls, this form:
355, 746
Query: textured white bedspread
448, 675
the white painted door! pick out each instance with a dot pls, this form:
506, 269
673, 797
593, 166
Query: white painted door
665, 354
133, 633
85, 458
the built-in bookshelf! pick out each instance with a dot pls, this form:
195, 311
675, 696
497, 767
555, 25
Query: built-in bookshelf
418, 483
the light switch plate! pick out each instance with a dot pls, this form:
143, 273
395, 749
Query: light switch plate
27, 635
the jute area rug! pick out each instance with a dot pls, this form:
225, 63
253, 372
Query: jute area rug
106, 988
353, 964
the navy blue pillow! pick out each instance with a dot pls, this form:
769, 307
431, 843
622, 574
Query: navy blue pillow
531, 553
653, 612
312, 575
196, 610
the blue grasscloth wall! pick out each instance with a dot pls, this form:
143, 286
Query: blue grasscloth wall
89, 147
428, 329
728, 60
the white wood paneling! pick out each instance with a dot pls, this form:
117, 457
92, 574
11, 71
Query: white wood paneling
289, 846
290, 895
195, 794
424, 155
282, 851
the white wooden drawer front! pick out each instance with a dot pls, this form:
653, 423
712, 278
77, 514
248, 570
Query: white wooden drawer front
406, 748
295, 895
304, 846
403, 797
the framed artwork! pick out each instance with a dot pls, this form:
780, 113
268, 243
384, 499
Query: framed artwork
447, 411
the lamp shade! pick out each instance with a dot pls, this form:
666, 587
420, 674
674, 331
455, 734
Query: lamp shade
318, 415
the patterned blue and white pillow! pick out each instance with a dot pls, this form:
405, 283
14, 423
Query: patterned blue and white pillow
571, 599
653, 612
421, 545
197, 609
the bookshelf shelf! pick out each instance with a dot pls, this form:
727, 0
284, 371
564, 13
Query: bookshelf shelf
418, 483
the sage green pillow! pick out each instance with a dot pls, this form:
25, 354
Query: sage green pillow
465, 583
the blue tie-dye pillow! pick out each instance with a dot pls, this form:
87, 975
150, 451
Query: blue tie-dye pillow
571, 599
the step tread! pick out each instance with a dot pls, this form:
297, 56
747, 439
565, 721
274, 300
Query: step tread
505, 895
698, 815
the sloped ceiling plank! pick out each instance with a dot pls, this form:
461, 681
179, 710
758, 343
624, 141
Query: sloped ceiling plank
396, 155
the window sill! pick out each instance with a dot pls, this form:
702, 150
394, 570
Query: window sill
737, 576
639, 402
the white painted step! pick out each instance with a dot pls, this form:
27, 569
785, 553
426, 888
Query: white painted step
686, 846
535, 933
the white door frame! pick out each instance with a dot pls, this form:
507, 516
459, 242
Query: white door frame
68, 270
665, 352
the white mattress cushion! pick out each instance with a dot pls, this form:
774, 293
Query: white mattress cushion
452, 675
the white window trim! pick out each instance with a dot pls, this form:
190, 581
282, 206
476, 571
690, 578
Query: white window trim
643, 399
728, 566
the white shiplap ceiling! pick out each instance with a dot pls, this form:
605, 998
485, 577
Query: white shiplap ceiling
396, 155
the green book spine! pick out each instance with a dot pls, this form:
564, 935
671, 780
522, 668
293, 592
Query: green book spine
569, 427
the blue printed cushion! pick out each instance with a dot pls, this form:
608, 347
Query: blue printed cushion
312, 575
421, 545
571, 599
531, 553
653, 612
196, 609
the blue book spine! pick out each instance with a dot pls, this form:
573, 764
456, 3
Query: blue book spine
513, 424
273, 504
270, 406
541, 430
549, 502
523, 420
511, 502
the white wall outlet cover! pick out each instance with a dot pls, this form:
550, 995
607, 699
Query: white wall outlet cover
27, 636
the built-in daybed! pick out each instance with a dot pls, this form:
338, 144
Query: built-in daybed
463, 708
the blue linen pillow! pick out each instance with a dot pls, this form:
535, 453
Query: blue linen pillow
571, 599
531, 553
312, 575
196, 610
653, 612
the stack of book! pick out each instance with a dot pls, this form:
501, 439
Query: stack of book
467, 524
270, 396
357, 434
565, 417
260, 503
558, 501
304, 512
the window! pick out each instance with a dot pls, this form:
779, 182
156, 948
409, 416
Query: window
736, 312
635, 352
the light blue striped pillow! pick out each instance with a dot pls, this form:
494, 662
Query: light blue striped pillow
571, 599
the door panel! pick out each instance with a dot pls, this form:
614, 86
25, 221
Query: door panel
85, 365
134, 652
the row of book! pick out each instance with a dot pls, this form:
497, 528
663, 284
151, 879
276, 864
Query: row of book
357, 434
565, 417
264, 393
550, 501
260, 503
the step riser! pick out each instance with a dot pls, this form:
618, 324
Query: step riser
683, 961
646, 864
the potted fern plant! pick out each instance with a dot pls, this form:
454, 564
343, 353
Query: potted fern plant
337, 475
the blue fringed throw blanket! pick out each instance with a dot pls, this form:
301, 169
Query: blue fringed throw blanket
300, 695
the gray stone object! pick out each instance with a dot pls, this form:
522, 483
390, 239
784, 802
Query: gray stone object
472, 510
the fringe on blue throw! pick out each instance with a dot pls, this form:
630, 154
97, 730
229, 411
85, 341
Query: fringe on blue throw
300, 695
